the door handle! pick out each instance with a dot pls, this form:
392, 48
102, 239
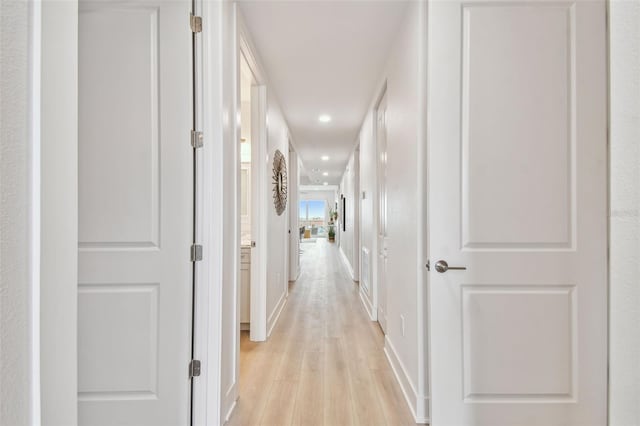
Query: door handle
442, 266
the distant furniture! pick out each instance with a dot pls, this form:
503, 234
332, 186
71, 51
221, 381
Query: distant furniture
307, 233
245, 288
314, 230
302, 232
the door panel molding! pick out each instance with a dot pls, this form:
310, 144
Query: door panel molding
136, 212
517, 157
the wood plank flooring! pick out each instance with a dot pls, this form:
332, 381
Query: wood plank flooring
323, 364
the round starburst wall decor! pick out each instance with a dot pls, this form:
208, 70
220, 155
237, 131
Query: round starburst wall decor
279, 182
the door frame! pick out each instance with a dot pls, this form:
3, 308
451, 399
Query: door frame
222, 43
206, 395
258, 330
423, 407
357, 199
294, 224
52, 374
376, 206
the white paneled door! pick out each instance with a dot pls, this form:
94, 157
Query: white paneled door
517, 195
135, 213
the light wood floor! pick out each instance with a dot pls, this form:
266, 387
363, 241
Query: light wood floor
323, 364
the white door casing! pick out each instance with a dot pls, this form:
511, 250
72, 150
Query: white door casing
135, 212
517, 195
259, 205
381, 143
294, 231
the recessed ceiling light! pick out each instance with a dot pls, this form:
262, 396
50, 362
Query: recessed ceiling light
325, 174
324, 118
325, 158
326, 183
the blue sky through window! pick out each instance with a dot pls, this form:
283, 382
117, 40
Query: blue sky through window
302, 212
316, 209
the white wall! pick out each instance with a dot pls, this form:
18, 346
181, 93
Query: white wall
349, 239
277, 226
15, 281
405, 280
624, 393
38, 225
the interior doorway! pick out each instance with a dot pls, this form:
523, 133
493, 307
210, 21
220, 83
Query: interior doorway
247, 81
245, 293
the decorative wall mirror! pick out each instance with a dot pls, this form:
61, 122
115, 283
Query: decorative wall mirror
279, 182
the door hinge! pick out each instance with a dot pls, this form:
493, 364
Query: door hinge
196, 252
196, 23
194, 368
197, 139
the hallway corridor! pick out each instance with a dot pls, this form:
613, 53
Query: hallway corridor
324, 363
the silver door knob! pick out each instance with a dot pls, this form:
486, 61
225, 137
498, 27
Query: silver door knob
442, 266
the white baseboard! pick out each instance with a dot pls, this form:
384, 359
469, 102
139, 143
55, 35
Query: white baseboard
230, 412
229, 400
418, 404
275, 315
347, 264
368, 306
291, 279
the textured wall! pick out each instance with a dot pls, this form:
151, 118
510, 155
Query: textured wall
14, 272
57, 55
625, 213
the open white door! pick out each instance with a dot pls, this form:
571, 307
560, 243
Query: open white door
135, 212
517, 196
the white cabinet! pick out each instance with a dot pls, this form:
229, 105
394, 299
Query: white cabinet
245, 287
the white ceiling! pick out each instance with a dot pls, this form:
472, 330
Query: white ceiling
323, 57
